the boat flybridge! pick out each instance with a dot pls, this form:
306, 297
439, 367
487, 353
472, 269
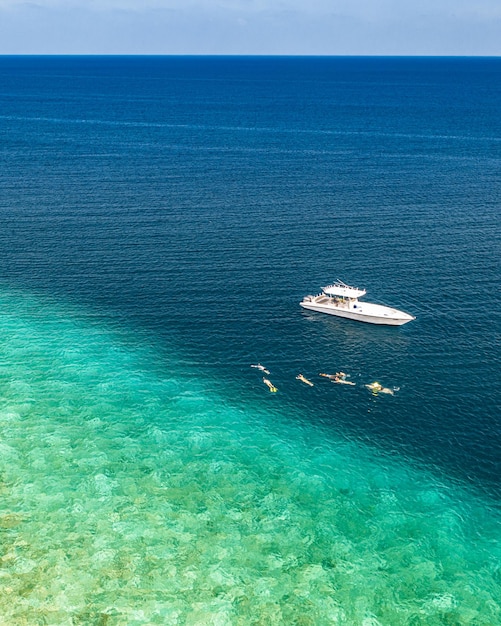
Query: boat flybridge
341, 300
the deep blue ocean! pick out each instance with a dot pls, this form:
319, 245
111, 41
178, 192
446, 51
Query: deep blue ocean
161, 219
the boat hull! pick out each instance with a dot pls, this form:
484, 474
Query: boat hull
368, 313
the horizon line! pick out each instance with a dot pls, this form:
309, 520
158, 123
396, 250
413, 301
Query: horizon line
253, 55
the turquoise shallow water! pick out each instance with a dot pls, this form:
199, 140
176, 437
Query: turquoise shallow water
133, 493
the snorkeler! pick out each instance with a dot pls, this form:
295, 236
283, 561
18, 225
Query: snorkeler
304, 380
338, 377
261, 367
270, 385
341, 379
376, 388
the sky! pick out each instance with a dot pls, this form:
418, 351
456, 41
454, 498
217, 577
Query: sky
288, 27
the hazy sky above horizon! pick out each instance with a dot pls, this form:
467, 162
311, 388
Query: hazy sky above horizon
338, 27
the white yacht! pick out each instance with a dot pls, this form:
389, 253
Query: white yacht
341, 300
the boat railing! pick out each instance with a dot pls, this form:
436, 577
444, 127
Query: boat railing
342, 285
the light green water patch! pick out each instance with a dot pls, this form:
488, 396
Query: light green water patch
128, 497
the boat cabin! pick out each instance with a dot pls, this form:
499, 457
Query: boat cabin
342, 295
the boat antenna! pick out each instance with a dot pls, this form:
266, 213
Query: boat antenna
341, 282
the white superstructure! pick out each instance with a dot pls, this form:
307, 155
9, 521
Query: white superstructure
341, 300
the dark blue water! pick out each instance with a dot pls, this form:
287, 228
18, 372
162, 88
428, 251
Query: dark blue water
191, 203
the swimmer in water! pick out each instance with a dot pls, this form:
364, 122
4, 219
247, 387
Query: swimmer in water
376, 388
338, 377
304, 380
262, 368
341, 379
330, 376
270, 385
